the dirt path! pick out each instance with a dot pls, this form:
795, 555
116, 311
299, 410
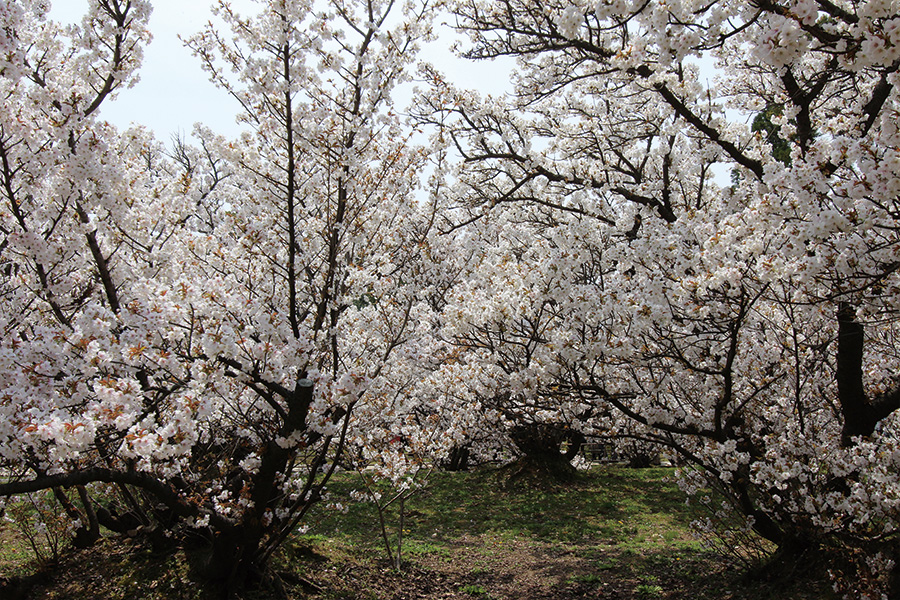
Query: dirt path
493, 568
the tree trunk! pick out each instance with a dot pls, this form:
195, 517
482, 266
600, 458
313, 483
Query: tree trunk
855, 406
575, 441
457, 459
540, 447
861, 415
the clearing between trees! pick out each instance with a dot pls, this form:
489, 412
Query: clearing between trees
612, 533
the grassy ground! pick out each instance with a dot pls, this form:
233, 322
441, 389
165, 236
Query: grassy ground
613, 533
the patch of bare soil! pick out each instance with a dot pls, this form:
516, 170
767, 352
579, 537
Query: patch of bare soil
114, 569
484, 567
512, 569
471, 567
475, 568
491, 568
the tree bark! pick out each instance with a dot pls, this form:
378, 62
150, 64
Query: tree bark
540, 448
457, 460
861, 415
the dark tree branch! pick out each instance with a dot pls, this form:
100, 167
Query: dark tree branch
861, 416
879, 96
145, 481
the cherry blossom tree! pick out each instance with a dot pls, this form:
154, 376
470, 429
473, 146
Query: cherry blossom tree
198, 327
501, 318
635, 244
64, 194
744, 323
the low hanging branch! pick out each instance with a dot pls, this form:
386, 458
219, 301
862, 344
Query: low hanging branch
145, 481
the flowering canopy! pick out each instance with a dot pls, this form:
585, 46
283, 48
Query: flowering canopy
681, 228
706, 194
203, 323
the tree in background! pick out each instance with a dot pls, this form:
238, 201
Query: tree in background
502, 319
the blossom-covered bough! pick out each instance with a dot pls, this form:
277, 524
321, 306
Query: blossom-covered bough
681, 229
188, 333
725, 281
59, 290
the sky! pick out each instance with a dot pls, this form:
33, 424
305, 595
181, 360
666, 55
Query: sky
174, 93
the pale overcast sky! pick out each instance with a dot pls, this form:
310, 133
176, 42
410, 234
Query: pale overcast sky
174, 92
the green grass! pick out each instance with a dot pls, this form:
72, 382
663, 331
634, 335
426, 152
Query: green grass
616, 532
591, 578
648, 591
632, 508
630, 525
473, 590
16, 556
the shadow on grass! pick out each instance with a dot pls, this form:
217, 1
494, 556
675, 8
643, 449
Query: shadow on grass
615, 505
611, 532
